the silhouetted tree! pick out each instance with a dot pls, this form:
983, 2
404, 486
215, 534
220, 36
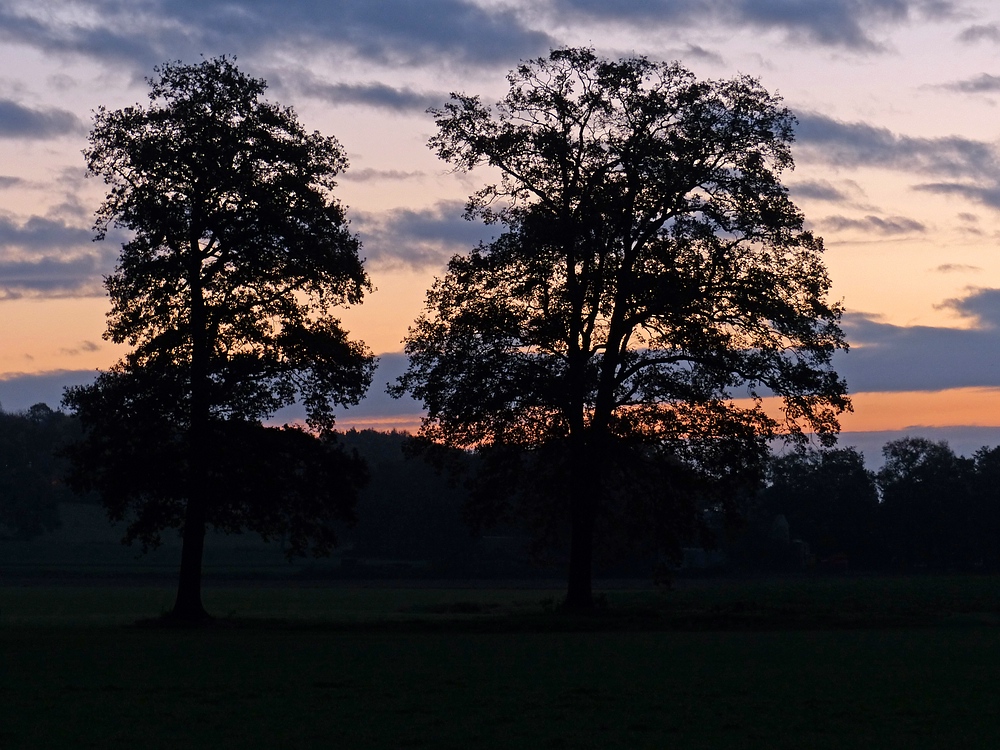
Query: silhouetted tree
652, 270
829, 499
927, 514
238, 253
985, 534
31, 470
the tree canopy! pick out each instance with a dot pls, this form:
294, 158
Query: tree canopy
238, 252
653, 284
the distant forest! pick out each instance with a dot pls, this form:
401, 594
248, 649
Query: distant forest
925, 510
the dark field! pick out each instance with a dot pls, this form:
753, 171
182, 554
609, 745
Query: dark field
873, 663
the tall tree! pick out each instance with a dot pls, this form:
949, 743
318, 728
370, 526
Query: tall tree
238, 252
927, 508
652, 270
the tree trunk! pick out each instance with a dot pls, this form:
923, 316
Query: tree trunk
585, 487
188, 606
579, 592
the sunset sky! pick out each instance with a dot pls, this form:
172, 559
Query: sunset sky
897, 163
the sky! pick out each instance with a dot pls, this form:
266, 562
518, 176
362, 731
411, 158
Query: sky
897, 163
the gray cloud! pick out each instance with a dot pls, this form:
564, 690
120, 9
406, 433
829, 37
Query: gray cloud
378, 95
20, 391
819, 190
7, 181
52, 276
984, 83
982, 306
886, 357
836, 23
41, 233
389, 30
986, 194
887, 226
18, 121
420, 238
81, 348
988, 32
859, 144
368, 174
957, 268
48, 257
696, 52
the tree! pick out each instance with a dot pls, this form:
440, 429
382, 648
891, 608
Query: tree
927, 509
985, 534
31, 470
238, 252
829, 498
651, 265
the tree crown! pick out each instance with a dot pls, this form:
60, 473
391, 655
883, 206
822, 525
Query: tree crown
238, 247
653, 268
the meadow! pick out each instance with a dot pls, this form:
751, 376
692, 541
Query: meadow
818, 663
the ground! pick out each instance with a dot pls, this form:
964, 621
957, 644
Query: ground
795, 663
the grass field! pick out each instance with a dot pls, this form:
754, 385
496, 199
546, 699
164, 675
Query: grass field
851, 663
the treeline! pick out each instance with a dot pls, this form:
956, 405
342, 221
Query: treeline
925, 509
32, 472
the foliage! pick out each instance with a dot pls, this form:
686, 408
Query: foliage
409, 511
31, 469
238, 253
652, 270
282, 483
829, 499
927, 504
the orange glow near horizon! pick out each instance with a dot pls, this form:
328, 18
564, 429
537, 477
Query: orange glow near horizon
873, 412
878, 411
973, 407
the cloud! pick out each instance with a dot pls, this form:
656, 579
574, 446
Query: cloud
887, 357
887, 226
82, 348
819, 190
41, 233
52, 276
859, 144
982, 306
18, 121
957, 268
835, 23
7, 181
19, 391
983, 83
377, 95
47, 257
422, 238
986, 194
369, 174
696, 52
385, 31
989, 32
